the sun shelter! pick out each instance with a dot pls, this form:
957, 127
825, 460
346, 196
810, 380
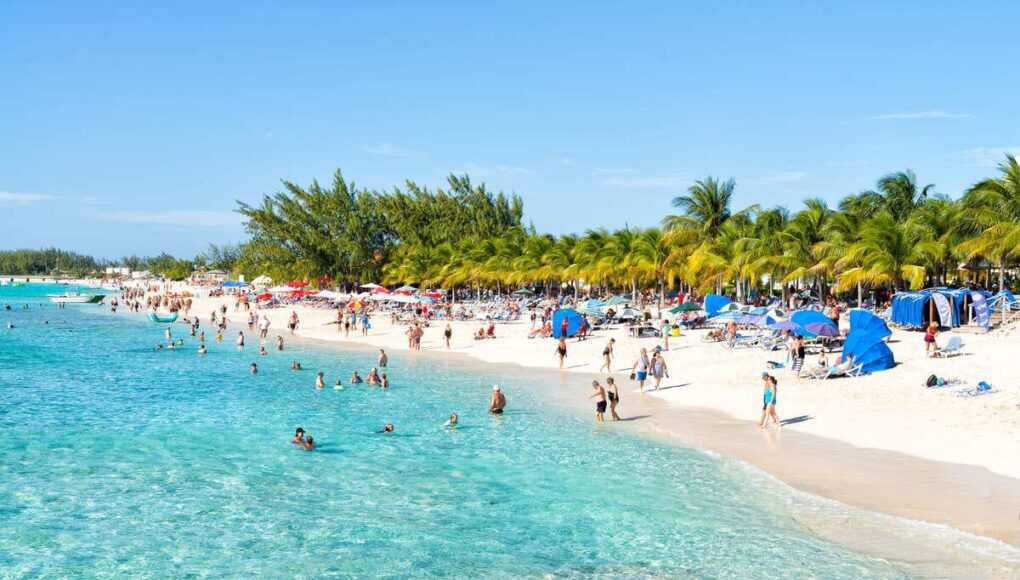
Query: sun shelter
947, 306
714, 303
573, 319
806, 317
866, 342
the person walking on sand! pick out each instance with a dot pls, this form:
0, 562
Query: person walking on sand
498, 401
614, 397
775, 400
929, 339
639, 371
768, 395
659, 369
447, 333
293, 322
665, 331
561, 350
600, 400
607, 356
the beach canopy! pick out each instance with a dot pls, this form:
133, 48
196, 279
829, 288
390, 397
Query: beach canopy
379, 290
262, 281
573, 319
685, 307
822, 329
714, 303
523, 292
806, 317
407, 288
785, 325
330, 295
866, 342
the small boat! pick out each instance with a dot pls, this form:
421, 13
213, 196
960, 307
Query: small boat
76, 298
163, 319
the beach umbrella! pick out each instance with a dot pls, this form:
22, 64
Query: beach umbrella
685, 307
264, 296
379, 290
864, 321
731, 315
523, 292
785, 325
425, 300
330, 295
822, 329
616, 301
628, 314
407, 288
370, 286
806, 317
596, 313
297, 283
715, 303
594, 303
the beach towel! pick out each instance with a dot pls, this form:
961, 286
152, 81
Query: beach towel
798, 362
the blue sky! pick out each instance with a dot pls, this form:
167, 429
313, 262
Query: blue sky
133, 128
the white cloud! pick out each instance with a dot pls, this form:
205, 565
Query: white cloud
781, 177
182, 218
633, 180
921, 115
390, 150
474, 169
11, 198
988, 156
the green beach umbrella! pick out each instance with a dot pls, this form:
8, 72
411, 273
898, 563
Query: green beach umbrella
616, 300
685, 307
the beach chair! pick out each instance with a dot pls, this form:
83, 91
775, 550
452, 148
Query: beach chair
743, 341
953, 346
833, 372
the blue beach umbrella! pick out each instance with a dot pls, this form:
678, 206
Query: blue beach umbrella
573, 318
866, 342
806, 317
786, 325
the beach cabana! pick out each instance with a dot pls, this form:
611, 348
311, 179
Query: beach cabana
714, 303
806, 317
916, 309
573, 319
866, 342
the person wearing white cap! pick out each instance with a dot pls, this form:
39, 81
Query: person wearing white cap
498, 401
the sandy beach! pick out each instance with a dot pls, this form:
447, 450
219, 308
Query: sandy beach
882, 442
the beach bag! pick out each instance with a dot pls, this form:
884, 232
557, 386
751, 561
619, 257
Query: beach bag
932, 380
633, 376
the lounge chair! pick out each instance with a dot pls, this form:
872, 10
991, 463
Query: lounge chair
953, 346
746, 340
834, 371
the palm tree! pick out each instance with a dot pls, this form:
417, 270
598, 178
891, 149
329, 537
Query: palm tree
805, 231
938, 216
887, 252
901, 194
992, 207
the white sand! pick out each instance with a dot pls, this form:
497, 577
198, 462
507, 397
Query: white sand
891, 410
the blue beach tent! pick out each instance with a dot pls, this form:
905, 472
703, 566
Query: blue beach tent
866, 342
573, 322
714, 302
913, 309
806, 317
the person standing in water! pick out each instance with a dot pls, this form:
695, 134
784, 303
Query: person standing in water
614, 397
383, 359
240, 339
600, 400
561, 350
319, 381
607, 355
279, 342
498, 401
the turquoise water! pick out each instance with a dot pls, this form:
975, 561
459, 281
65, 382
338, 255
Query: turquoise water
119, 460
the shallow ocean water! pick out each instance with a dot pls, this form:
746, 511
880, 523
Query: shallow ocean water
118, 460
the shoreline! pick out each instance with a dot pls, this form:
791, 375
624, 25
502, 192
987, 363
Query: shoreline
970, 499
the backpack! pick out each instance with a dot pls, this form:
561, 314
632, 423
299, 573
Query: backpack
932, 381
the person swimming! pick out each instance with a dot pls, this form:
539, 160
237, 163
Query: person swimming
201, 349
355, 378
384, 382
295, 366
309, 443
373, 377
299, 437
452, 422
339, 386
388, 428
254, 369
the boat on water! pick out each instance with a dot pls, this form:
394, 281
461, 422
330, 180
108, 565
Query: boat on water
76, 298
163, 319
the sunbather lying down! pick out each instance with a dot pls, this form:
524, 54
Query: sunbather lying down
714, 336
834, 370
544, 330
